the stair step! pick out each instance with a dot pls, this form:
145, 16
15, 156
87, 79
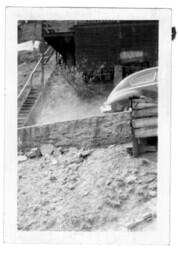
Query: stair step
29, 99
27, 106
32, 97
24, 111
29, 102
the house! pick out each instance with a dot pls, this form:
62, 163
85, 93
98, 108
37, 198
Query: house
103, 49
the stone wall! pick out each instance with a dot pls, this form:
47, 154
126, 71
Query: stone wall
112, 128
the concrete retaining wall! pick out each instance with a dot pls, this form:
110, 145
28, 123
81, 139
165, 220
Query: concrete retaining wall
90, 132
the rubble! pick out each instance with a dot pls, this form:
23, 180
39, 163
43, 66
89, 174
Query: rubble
148, 217
145, 162
47, 149
53, 178
22, 158
83, 154
34, 152
83, 190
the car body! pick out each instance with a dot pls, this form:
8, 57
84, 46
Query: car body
141, 83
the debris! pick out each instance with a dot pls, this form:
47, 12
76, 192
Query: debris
47, 149
150, 178
83, 154
63, 150
20, 177
149, 217
113, 204
36, 208
145, 162
22, 158
71, 186
145, 219
59, 151
51, 223
130, 150
54, 161
108, 182
45, 202
46, 159
123, 196
153, 193
53, 178
130, 179
85, 193
34, 152
100, 193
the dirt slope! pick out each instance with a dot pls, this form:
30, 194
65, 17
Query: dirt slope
100, 189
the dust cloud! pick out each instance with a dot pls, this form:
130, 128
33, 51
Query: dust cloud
59, 102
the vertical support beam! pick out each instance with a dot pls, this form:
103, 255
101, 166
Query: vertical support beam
135, 141
42, 52
135, 149
117, 74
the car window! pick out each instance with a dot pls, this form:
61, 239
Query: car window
149, 76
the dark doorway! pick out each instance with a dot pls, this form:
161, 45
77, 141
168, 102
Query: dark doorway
65, 46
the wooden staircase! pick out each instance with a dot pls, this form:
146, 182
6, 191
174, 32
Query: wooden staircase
27, 106
29, 93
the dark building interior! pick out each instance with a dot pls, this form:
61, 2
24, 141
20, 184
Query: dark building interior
106, 50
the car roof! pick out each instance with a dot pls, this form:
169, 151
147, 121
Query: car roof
146, 76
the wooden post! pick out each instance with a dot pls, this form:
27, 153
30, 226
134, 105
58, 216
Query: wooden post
117, 74
135, 149
144, 123
42, 52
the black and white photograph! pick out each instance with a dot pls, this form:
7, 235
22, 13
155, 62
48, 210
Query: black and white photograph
91, 96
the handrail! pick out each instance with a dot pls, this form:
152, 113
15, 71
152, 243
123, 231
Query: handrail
50, 55
31, 74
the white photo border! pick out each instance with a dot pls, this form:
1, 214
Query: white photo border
161, 235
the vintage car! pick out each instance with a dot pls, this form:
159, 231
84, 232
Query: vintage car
141, 83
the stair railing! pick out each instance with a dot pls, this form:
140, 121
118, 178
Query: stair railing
47, 55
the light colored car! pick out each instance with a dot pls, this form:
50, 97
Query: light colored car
141, 83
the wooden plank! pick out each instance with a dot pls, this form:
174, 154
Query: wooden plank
144, 103
145, 122
145, 132
145, 112
144, 99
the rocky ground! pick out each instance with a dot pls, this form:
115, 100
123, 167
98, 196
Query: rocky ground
87, 190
